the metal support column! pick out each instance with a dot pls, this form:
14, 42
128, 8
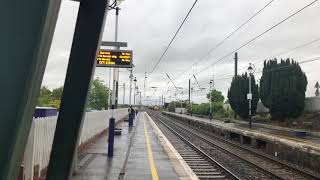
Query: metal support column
189, 97
130, 120
82, 62
116, 70
250, 98
27, 29
124, 92
235, 64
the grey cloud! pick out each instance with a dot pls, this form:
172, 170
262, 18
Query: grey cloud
148, 26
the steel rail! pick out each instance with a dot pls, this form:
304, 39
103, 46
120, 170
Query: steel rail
288, 166
201, 152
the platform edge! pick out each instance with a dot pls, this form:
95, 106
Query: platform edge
180, 166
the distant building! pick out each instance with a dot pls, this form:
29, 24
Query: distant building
226, 105
312, 104
181, 110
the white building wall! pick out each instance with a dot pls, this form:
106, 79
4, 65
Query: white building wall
178, 110
312, 104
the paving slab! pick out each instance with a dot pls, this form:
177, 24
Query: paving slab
96, 165
138, 166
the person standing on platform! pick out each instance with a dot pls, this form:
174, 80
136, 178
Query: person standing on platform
132, 112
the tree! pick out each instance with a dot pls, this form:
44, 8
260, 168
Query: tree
57, 93
317, 89
216, 97
237, 95
171, 106
44, 98
98, 95
282, 88
56, 97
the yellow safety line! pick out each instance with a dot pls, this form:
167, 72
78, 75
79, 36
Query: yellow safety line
151, 161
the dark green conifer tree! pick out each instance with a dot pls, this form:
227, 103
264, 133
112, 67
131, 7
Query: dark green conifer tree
237, 95
282, 88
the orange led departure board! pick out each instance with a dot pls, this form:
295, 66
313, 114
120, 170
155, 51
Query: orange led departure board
114, 58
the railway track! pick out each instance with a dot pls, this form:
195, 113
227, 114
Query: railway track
200, 162
247, 164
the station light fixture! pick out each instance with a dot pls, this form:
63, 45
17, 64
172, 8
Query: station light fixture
119, 2
251, 68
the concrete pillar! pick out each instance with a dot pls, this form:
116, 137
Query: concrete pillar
227, 135
253, 142
241, 139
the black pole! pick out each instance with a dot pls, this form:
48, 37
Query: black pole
189, 90
190, 97
235, 71
235, 64
82, 62
116, 99
112, 122
27, 27
162, 101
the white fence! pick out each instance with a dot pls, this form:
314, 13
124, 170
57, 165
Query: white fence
37, 152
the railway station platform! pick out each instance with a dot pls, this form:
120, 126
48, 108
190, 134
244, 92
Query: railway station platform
279, 142
140, 152
311, 138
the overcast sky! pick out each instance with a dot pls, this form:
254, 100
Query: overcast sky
149, 25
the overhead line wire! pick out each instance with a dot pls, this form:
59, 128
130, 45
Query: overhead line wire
258, 36
196, 81
226, 38
279, 54
277, 68
165, 51
301, 62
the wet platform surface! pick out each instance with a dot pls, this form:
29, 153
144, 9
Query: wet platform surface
95, 164
274, 132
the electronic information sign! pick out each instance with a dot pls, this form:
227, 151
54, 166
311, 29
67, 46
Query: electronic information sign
114, 58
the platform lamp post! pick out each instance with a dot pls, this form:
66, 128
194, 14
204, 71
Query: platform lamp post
191, 89
115, 85
181, 100
134, 90
137, 96
130, 120
153, 95
249, 95
210, 101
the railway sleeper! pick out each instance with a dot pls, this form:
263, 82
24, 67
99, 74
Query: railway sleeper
199, 163
196, 160
200, 166
208, 173
204, 170
190, 155
212, 177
